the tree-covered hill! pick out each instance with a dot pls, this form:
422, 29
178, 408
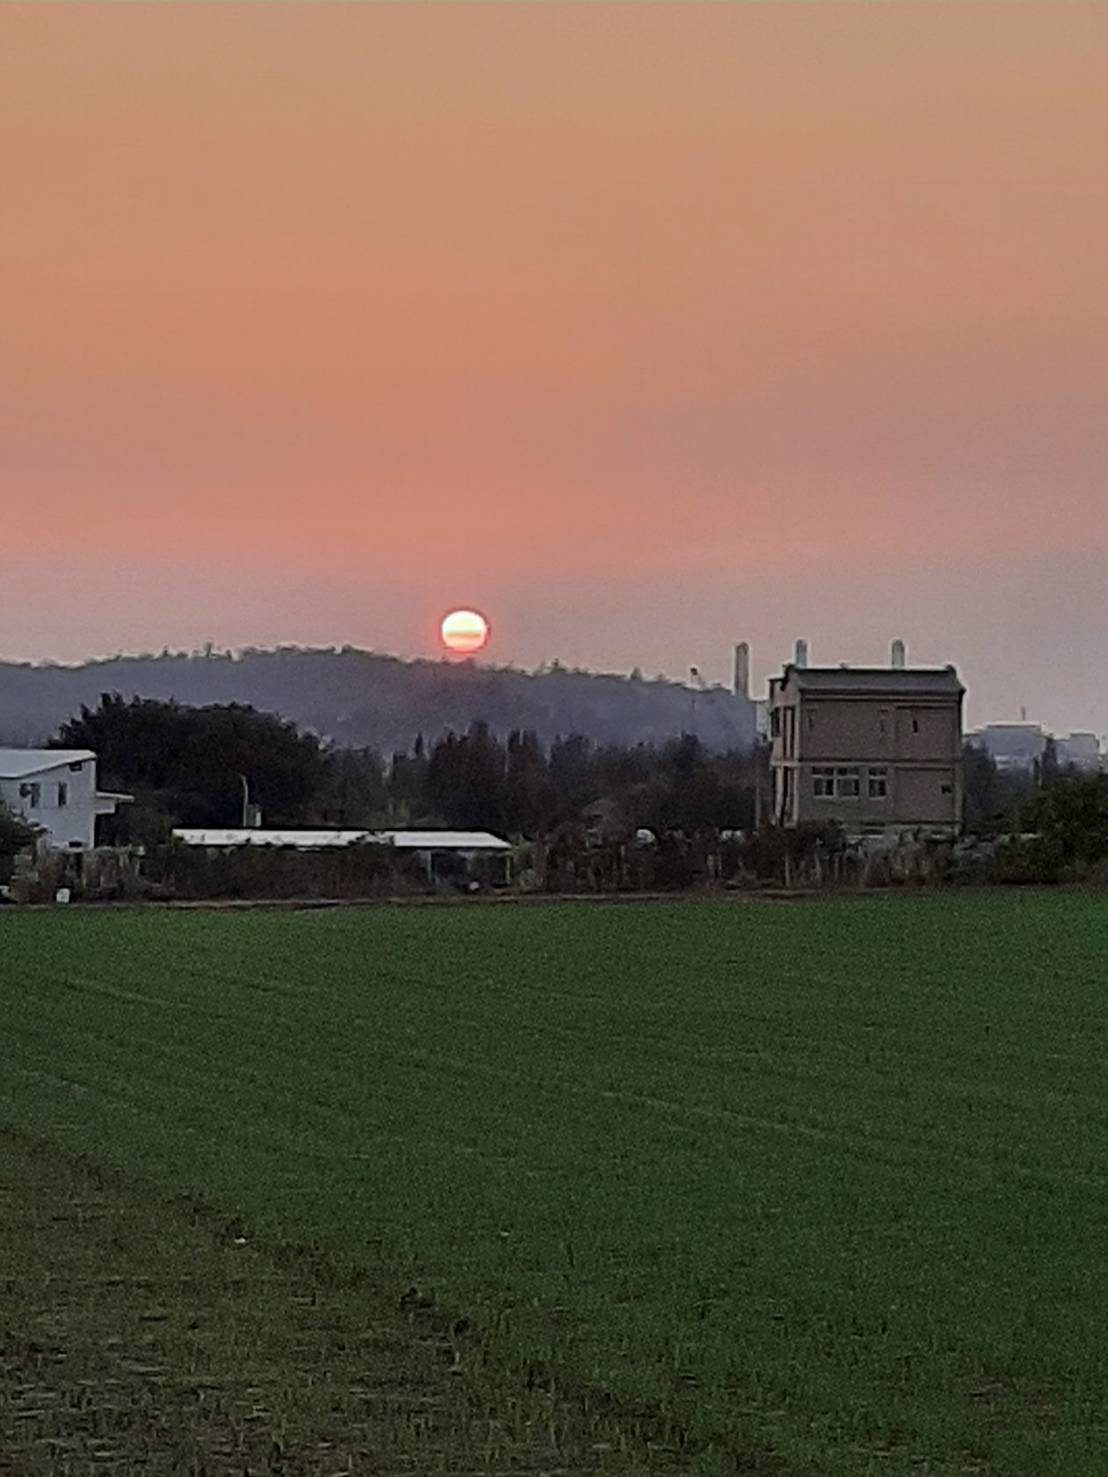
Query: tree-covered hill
360, 698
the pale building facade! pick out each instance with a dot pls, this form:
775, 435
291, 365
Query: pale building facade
1015, 748
1080, 751
54, 790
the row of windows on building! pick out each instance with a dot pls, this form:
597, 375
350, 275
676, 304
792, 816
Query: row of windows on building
32, 793
830, 783
788, 731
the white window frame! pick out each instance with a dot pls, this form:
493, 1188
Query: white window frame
877, 783
823, 781
848, 783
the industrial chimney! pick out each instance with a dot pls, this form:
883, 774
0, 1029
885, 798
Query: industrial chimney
899, 656
742, 669
800, 659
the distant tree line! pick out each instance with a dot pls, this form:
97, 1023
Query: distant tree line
187, 766
1050, 822
998, 801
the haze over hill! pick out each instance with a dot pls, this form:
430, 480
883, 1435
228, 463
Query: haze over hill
365, 699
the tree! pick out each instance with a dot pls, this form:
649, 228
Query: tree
353, 792
528, 794
407, 786
1070, 819
992, 799
1049, 767
465, 779
186, 766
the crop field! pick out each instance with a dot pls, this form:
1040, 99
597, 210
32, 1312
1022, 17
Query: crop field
789, 1190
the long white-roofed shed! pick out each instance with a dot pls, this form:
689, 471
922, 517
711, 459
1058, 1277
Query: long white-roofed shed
443, 855
308, 840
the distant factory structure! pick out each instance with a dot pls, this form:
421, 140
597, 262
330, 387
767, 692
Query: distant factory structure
741, 689
1021, 748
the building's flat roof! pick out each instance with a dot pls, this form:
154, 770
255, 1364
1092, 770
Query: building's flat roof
1003, 728
306, 840
17, 764
910, 680
241, 836
1010, 739
445, 840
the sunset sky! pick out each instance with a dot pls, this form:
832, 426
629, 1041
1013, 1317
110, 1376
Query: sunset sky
641, 327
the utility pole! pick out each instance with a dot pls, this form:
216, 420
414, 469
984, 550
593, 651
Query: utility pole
251, 814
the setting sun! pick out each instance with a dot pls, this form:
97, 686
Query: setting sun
464, 632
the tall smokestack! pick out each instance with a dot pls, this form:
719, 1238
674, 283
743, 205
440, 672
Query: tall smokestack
899, 655
800, 659
742, 669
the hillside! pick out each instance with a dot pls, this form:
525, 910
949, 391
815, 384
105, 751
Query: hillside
360, 698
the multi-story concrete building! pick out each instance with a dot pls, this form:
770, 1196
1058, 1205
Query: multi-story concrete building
878, 749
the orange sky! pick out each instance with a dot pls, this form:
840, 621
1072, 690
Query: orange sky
642, 326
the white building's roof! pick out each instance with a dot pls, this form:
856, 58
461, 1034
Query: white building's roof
17, 764
318, 840
445, 840
241, 836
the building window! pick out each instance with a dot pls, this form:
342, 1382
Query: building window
948, 789
878, 784
823, 783
775, 723
811, 723
915, 725
77, 766
34, 795
847, 784
63, 795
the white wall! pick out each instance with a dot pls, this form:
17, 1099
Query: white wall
67, 826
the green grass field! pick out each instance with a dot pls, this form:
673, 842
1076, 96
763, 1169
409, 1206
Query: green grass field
722, 1187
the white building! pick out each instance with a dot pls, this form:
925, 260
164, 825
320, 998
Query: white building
1080, 751
1021, 748
55, 791
1013, 747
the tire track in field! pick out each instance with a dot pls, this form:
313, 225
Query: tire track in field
139, 1334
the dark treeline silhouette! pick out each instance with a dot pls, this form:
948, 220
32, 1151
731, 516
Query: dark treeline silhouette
598, 817
999, 801
518, 786
359, 699
186, 766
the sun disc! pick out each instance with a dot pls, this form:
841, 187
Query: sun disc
464, 631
